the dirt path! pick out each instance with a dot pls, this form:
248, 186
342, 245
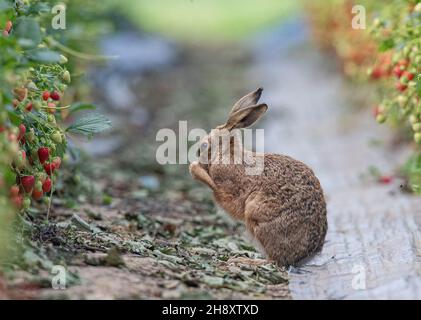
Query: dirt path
139, 230
374, 230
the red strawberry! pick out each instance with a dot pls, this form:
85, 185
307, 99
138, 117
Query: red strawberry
28, 183
22, 131
12, 137
385, 180
37, 194
51, 108
46, 186
398, 71
46, 95
14, 191
404, 63
49, 168
57, 162
55, 95
377, 73
18, 201
408, 75
9, 26
43, 154
28, 107
401, 87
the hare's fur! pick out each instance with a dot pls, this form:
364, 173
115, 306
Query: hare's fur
283, 207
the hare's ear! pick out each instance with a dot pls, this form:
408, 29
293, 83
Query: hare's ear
247, 101
245, 117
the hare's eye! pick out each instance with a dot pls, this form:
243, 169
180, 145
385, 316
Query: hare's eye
204, 146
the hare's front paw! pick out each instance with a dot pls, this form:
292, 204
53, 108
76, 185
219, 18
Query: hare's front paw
194, 166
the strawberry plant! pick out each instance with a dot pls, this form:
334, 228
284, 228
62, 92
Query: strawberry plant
393, 61
33, 84
7, 194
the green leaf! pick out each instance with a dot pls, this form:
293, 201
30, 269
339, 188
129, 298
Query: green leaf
80, 106
44, 55
386, 45
419, 85
28, 32
14, 118
40, 7
90, 124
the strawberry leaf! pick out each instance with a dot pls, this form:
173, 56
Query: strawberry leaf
44, 56
28, 32
90, 125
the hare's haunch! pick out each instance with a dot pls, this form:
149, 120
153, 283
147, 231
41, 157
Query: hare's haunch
282, 205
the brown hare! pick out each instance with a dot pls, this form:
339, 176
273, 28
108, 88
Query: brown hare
283, 206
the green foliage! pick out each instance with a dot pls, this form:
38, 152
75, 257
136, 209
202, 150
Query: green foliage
34, 77
207, 20
392, 50
89, 125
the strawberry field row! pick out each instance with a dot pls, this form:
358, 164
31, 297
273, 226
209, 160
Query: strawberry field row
379, 42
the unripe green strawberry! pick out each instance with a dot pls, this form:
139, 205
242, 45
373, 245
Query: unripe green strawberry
20, 159
66, 76
26, 203
63, 59
31, 86
381, 118
30, 136
47, 201
51, 118
38, 185
56, 137
402, 100
416, 127
37, 105
41, 176
413, 119
417, 137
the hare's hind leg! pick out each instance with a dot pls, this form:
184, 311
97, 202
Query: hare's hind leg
281, 238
